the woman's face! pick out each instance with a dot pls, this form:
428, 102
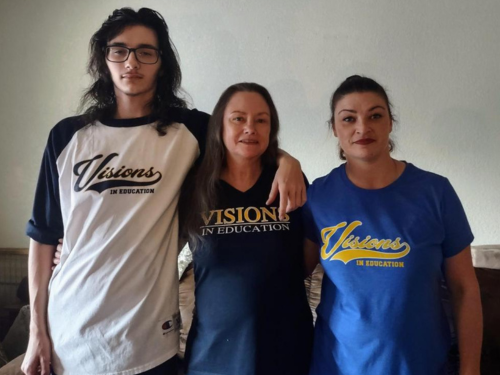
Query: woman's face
246, 126
362, 124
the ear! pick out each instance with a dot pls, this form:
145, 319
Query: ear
334, 131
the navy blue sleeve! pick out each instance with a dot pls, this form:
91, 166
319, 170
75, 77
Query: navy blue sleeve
310, 229
197, 123
458, 234
46, 224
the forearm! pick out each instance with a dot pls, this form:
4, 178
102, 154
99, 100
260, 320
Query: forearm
285, 156
469, 323
289, 182
39, 273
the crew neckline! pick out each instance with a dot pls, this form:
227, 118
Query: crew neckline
129, 122
391, 186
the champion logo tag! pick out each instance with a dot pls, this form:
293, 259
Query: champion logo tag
171, 325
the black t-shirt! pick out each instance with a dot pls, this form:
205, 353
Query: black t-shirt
252, 315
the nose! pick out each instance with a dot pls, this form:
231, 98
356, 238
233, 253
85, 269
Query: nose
250, 126
362, 126
132, 62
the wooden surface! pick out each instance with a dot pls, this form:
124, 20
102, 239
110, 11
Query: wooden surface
13, 251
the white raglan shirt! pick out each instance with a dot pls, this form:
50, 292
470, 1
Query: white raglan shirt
111, 189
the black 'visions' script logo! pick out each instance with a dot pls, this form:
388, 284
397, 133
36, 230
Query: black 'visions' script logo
91, 178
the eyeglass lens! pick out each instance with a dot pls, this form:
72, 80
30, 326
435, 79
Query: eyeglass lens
121, 54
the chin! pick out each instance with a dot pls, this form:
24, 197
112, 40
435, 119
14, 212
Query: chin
134, 92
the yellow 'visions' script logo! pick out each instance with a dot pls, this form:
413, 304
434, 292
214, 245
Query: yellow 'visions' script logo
348, 247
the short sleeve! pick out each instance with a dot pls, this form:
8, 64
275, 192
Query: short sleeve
310, 228
197, 123
458, 234
46, 225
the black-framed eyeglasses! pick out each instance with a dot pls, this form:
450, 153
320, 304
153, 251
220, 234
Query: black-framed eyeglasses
145, 55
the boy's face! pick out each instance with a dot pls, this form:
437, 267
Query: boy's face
131, 77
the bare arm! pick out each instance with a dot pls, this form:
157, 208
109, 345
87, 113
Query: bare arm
466, 300
39, 273
289, 182
311, 256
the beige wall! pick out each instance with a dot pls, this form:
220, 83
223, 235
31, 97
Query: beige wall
439, 59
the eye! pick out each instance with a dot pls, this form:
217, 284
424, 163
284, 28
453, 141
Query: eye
376, 116
237, 119
348, 119
118, 51
262, 120
145, 53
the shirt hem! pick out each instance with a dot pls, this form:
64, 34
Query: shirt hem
133, 371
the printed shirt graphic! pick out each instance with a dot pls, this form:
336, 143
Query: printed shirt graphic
252, 315
383, 252
111, 190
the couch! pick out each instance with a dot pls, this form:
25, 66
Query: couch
486, 260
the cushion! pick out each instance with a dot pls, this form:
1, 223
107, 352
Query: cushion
184, 259
16, 340
13, 367
186, 306
486, 256
3, 357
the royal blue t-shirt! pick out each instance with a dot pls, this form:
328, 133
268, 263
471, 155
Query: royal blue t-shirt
383, 252
252, 315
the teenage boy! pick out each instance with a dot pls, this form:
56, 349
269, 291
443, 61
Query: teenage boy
109, 184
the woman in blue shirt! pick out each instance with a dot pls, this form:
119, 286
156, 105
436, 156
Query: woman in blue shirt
387, 231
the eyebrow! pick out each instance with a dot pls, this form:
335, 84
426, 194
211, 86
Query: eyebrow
346, 110
142, 45
258, 114
353, 111
375, 107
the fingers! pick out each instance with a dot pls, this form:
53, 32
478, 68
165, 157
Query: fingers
298, 198
37, 358
30, 367
292, 201
56, 260
59, 246
44, 366
273, 193
283, 203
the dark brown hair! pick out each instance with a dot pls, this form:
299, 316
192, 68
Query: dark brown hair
354, 84
99, 101
200, 189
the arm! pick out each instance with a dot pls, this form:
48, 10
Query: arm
39, 270
311, 256
466, 301
289, 182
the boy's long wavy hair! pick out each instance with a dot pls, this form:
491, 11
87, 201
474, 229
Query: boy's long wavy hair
99, 102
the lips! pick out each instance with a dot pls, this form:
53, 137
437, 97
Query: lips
131, 75
249, 141
364, 141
